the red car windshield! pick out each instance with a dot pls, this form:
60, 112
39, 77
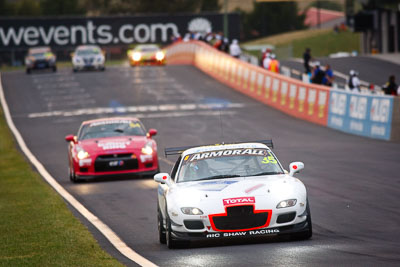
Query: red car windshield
111, 128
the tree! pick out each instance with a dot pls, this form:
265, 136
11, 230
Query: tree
60, 7
27, 8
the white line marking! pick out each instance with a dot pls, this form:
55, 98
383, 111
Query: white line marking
133, 109
120, 245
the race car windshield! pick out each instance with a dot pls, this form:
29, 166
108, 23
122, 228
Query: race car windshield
111, 129
88, 52
149, 49
229, 163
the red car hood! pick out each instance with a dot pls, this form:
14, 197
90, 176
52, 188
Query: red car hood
113, 144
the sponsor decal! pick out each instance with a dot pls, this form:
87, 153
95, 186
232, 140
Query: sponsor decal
267, 86
284, 91
275, 88
238, 200
302, 98
322, 96
244, 233
98, 123
292, 95
116, 30
229, 152
116, 163
259, 83
113, 145
85, 162
253, 188
366, 115
312, 96
213, 185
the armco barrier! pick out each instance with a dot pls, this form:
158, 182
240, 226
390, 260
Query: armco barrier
354, 113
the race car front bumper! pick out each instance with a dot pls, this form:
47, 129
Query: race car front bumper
276, 231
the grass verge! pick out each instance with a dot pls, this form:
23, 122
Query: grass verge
36, 226
322, 42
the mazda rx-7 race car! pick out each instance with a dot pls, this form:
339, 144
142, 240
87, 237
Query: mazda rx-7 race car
112, 147
146, 54
227, 191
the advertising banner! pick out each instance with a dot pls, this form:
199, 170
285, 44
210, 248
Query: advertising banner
118, 30
366, 115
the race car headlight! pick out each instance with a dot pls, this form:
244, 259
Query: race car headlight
191, 211
100, 59
160, 55
136, 56
76, 60
286, 203
82, 154
147, 149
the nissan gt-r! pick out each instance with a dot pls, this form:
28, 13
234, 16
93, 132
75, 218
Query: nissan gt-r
230, 191
112, 147
147, 54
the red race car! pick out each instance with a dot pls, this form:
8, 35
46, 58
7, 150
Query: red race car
112, 147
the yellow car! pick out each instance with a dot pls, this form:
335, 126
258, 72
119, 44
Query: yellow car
148, 54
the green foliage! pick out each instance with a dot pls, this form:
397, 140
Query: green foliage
210, 5
271, 18
60, 7
27, 8
6, 8
330, 5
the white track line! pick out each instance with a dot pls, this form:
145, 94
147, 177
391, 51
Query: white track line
102, 227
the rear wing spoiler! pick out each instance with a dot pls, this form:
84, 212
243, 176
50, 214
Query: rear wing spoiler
179, 150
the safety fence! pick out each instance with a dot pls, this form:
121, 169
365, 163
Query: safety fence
354, 113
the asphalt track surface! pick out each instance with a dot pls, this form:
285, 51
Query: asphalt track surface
371, 70
353, 182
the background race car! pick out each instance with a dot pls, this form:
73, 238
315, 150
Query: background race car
225, 191
40, 58
112, 147
149, 54
86, 57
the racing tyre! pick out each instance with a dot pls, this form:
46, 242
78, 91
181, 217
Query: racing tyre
54, 69
161, 230
72, 176
307, 234
171, 243
28, 71
74, 70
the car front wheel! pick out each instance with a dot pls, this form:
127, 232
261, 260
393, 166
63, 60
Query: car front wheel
161, 229
307, 234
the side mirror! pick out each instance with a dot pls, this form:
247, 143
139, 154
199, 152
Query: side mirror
163, 178
295, 167
70, 138
72, 54
152, 132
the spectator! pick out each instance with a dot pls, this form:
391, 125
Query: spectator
328, 77
234, 49
307, 58
266, 61
218, 41
318, 74
274, 64
354, 82
266, 52
391, 88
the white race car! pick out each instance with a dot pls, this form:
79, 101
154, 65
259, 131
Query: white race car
87, 57
232, 190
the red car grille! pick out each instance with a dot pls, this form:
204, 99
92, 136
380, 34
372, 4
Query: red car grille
115, 162
240, 218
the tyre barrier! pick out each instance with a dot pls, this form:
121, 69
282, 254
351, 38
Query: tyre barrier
373, 116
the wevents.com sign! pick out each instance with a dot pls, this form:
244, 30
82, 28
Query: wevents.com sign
20, 33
